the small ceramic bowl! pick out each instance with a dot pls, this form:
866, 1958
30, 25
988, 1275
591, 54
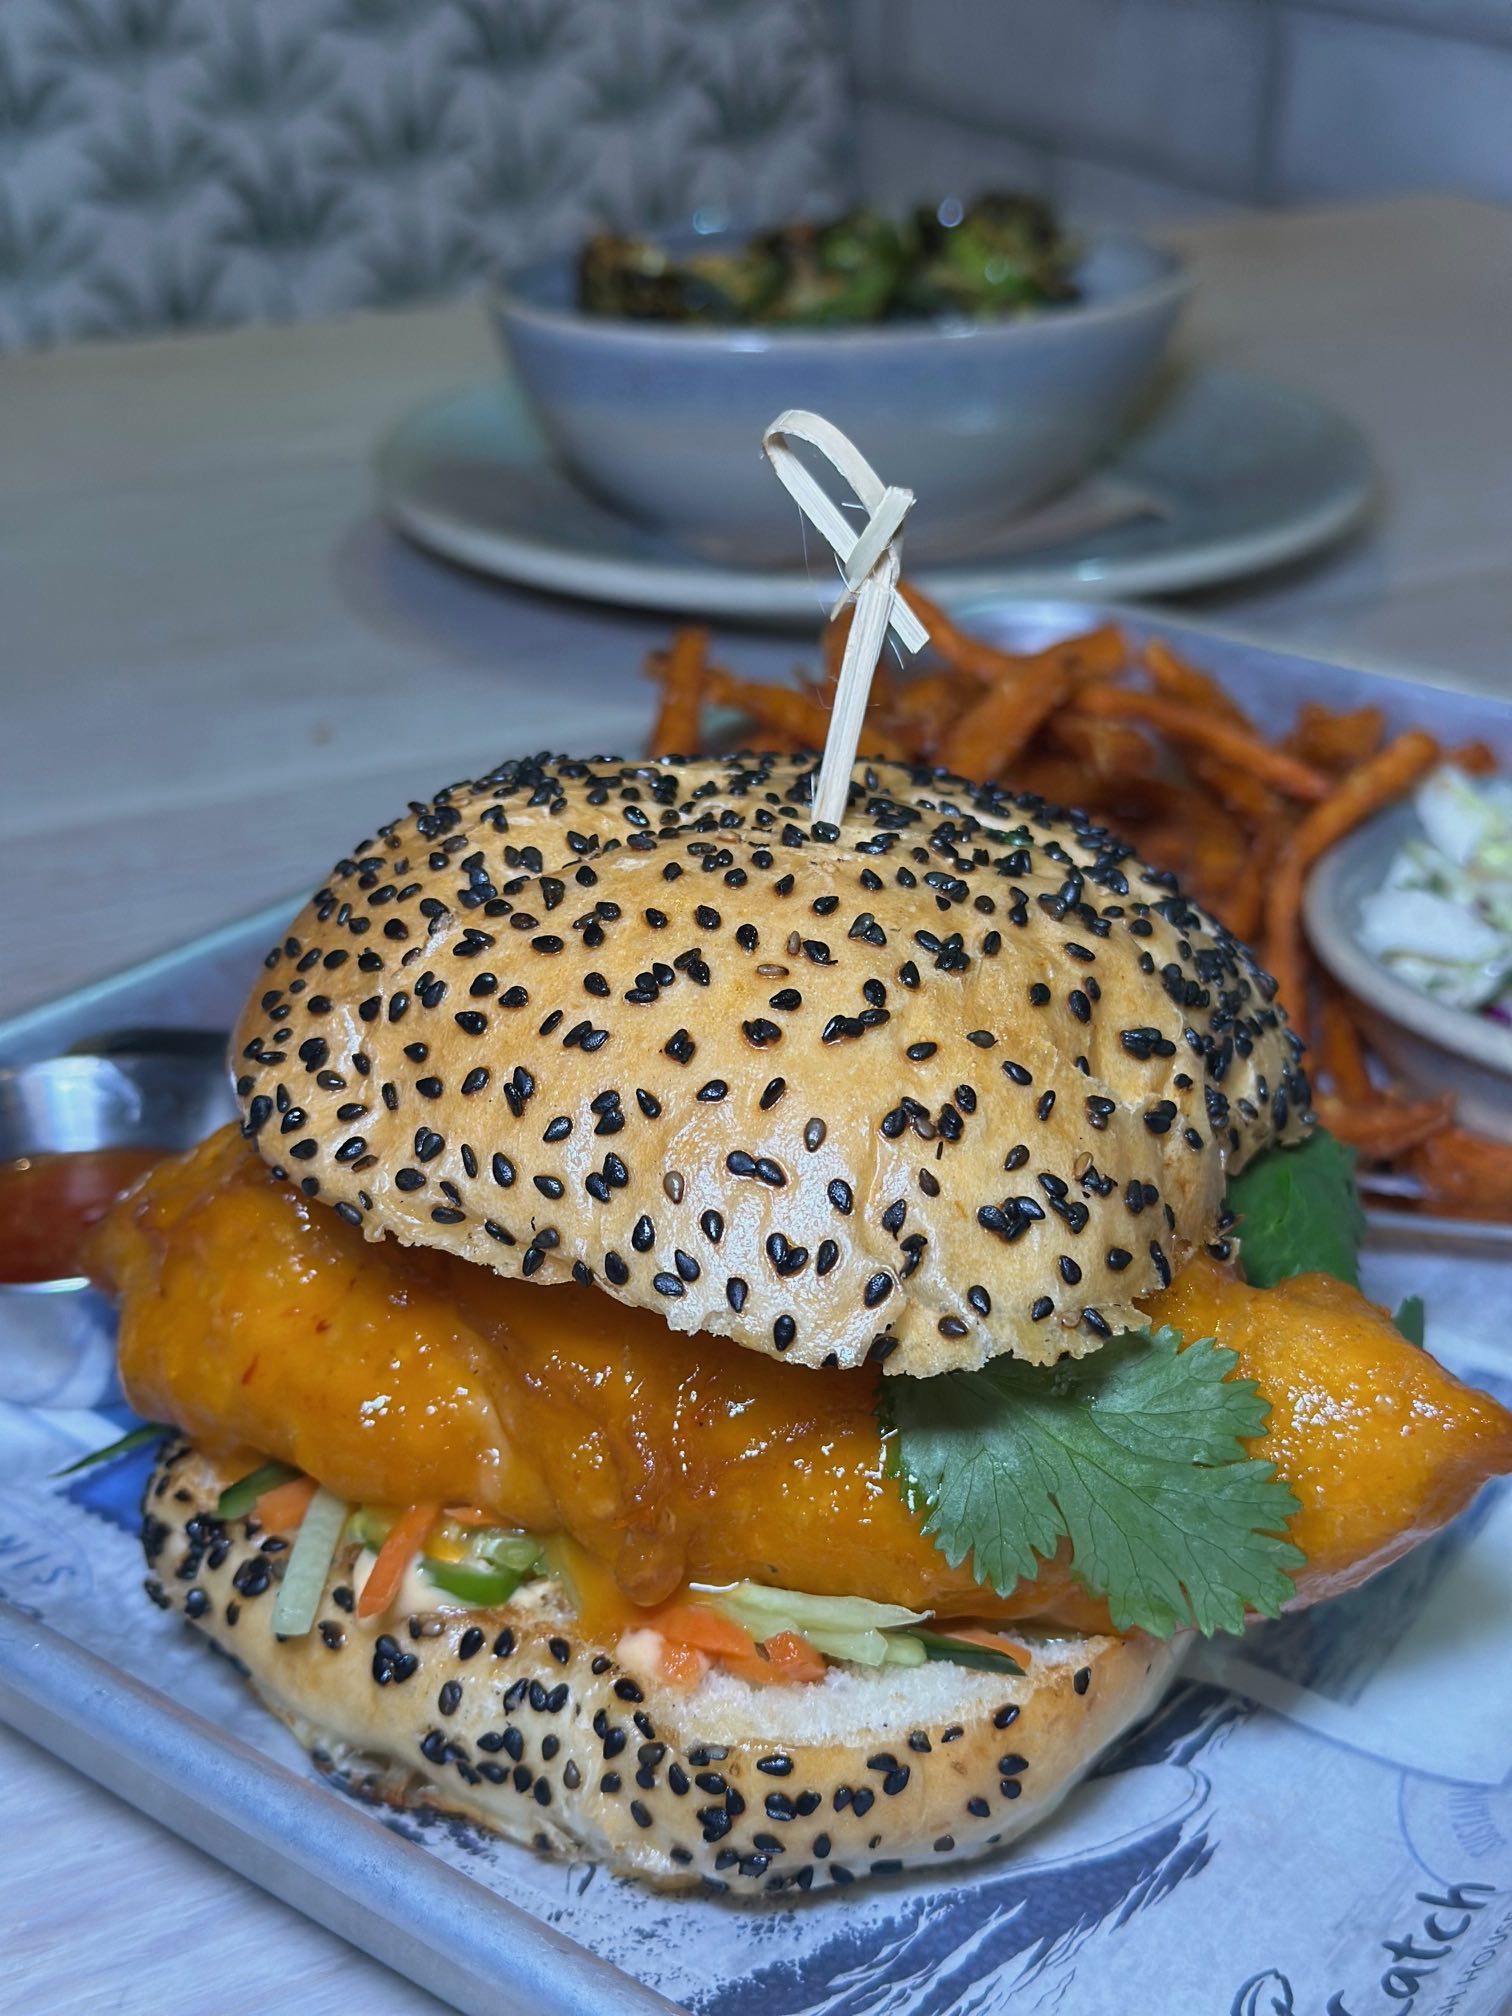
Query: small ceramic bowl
981, 419
1431, 1047
57, 1338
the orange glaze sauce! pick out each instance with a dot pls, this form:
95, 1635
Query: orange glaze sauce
1381, 1444
49, 1202
258, 1321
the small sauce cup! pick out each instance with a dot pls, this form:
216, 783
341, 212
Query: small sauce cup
58, 1335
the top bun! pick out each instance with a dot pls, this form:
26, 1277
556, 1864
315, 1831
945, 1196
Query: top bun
962, 1079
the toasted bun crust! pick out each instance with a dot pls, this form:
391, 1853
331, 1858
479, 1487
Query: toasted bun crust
513, 1719
967, 1079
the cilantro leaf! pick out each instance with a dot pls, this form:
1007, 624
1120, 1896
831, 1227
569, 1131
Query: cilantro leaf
1135, 1455
1299, 1213
1411, 1320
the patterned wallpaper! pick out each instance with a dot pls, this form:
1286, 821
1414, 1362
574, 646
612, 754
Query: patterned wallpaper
174, 162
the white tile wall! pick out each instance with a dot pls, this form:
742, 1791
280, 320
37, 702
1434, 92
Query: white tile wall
1172, 87
1368, 109
1097, 192
867, 27
904, 157
1490, 20
1131, 111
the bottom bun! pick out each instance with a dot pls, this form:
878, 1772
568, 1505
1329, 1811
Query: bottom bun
512, 1718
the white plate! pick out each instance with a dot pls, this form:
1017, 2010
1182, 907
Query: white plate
1242, 474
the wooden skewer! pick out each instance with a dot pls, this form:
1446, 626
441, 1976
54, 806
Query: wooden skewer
869, 562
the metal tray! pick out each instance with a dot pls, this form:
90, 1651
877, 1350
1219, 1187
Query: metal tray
1127, 1883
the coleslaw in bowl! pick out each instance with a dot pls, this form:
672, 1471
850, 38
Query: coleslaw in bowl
1442, 918
1412, 916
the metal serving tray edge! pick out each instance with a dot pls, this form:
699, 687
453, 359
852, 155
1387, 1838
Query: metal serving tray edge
317, 1852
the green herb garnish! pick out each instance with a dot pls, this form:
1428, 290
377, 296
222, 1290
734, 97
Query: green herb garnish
1299, 1213
1135, 1455
1411, 1320
137, 1438
469, 1583
238, 1499
962, 1652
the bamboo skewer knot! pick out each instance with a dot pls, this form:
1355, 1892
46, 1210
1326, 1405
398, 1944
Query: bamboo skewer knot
870, 562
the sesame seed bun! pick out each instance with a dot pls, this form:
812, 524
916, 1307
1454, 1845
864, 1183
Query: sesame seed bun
967, 1078
513, 1718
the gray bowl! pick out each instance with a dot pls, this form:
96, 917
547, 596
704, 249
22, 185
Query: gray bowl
57, 1338
1431, 1047
981, 419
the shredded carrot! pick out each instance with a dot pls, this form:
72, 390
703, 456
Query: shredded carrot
701, 1629
793, 1658
405, 1539
783, 1659
682, 1665
979, 1634
282, 1508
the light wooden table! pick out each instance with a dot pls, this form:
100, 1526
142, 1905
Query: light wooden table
217, 670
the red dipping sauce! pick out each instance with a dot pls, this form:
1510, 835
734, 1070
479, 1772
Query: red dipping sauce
49, 1202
